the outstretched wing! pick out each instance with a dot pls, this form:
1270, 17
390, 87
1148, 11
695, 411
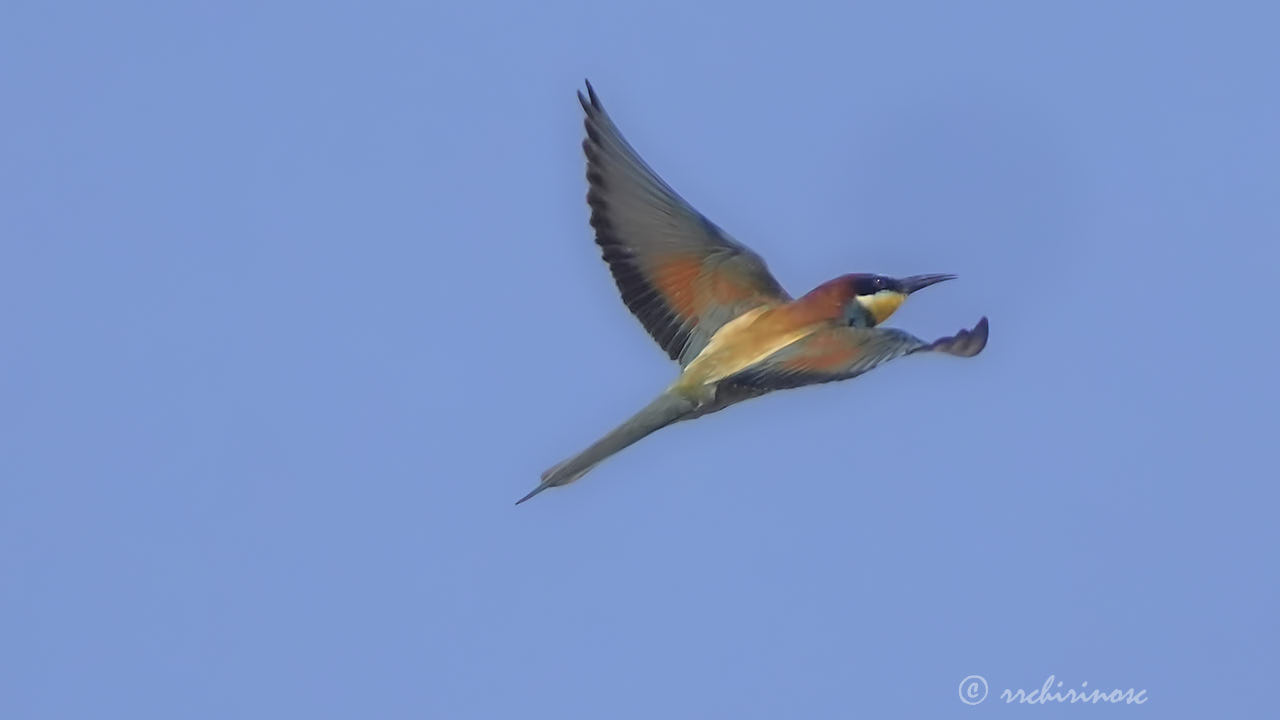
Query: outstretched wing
682, 276
840, 353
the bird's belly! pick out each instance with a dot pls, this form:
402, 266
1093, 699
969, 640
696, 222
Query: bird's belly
738, 345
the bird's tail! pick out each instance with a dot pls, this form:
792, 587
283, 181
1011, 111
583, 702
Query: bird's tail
664, 410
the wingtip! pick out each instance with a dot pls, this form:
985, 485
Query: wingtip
590, 102
977, 340
591, 94
965, 343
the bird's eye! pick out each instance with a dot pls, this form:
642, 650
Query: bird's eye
872, 284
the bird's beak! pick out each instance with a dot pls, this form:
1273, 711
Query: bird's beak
918, 282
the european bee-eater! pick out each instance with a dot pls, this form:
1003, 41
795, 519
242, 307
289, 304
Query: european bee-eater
711, 303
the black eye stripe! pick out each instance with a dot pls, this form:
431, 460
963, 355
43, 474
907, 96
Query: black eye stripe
870, 285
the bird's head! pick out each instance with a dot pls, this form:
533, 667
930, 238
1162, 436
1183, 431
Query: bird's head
875, 297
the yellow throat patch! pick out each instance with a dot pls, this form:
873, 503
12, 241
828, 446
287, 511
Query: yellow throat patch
882, 304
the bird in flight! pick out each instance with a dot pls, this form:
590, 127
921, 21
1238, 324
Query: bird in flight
712, 305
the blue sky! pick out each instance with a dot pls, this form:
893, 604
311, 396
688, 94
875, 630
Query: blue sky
297, 300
